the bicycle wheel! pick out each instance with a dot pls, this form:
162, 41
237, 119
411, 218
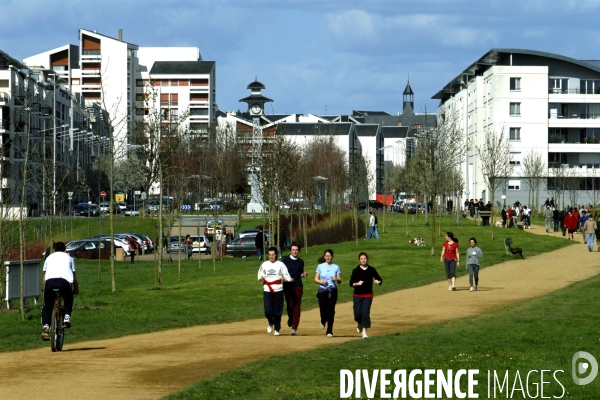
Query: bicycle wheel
53, 330
60, 332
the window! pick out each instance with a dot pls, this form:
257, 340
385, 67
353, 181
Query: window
139, 97
198, 111
515, 109
515, 84
589, 86
515, 158
195, 126
515, 133
514, 184
174, 115
558, 85
139, 82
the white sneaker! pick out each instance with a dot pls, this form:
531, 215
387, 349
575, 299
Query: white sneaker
322, 326
472, 289
293, 332
269, 328
450, 287
330, 335
364, 334
276, 333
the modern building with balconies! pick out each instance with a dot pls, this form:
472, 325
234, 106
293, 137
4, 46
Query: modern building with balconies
548, 105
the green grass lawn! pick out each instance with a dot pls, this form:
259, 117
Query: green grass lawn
231, 293
539, 334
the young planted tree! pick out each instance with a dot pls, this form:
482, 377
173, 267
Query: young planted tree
439, 152
534, 171
494, 162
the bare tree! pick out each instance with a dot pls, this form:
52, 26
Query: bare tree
440, 151
533, 172
494, 162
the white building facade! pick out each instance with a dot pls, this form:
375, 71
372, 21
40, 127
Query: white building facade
547, 104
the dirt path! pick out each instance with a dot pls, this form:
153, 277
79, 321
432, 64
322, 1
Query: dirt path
153, 365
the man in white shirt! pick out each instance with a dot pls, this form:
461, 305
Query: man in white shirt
371, 232
271, 273
59, 273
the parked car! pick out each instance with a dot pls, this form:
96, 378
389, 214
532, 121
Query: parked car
119, 242
201, 244
131, 211
249, 232
175, 244
91, 250
81, 209
413, 208
122, 206
242, 246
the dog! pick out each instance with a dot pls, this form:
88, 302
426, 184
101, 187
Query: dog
499, 224
418, 241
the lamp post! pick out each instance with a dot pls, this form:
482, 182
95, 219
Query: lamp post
503, 197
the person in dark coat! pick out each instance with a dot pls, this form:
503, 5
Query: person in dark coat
259, 242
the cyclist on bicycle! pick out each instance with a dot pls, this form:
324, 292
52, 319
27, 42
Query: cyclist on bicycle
59, 273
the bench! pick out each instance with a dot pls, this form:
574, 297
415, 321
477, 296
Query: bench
512, 250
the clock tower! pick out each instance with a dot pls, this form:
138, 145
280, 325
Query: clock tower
256, 105
256, 101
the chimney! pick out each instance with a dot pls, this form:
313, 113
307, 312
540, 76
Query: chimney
120, 35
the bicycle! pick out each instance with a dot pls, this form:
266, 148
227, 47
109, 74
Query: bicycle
57, 332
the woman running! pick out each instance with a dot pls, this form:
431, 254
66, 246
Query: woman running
327, 275
362, 280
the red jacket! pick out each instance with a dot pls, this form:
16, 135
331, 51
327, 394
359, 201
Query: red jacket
571, 222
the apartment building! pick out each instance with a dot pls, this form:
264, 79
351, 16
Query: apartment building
46, 138
111, 73
547, 104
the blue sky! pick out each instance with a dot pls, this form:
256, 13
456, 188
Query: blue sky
320, 57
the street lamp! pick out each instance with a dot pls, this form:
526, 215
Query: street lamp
503, 197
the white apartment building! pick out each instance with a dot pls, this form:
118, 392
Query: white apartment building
110, 73
547, 104
45, 138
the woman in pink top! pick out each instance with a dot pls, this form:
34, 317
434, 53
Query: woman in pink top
450, 258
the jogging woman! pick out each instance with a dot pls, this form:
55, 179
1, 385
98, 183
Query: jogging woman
362, 280
326, 276
450, 258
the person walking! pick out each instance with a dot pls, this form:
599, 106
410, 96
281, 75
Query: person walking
362, 280
474, 254
326, 276
376, 230
598, 233
504, 216
219, 241
555, 218
59, 273
259, 243
292, 291
271, 273
511, 215
571, 223
589, 230
548, 215
371, 232
188, 245
133, 248
450, 257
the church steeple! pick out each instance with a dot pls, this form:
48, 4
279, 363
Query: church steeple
408, 97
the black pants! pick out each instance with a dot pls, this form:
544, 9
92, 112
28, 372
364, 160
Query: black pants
66, 293
273, 308
327, 301
362, 311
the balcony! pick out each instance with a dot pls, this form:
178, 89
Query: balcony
4, 98
573, 91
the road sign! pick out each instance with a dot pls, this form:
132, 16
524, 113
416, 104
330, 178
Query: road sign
137, 192
70, 195
144, 196
186, 207
103, 194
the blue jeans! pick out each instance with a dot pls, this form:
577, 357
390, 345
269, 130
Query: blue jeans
376, 233
371, 232
260, 253
555, 225
590, 240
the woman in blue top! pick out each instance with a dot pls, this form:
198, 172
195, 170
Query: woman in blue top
327, 275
